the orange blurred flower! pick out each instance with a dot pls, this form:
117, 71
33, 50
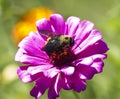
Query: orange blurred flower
27, 23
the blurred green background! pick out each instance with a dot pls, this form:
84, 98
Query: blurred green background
106, 16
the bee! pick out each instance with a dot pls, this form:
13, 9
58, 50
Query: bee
57, 43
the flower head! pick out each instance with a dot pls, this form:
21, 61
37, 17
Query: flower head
60, 54
27, 22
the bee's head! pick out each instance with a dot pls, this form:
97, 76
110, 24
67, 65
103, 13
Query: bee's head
66, 40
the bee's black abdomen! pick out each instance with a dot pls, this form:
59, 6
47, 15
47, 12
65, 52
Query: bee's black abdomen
52, 45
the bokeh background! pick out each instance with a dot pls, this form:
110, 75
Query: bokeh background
106, 16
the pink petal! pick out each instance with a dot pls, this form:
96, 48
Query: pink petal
32, 45
88, 60
83, 30
79, 85
27, 75
55, 87
99, 47
57, 21
50, 73
33, 40
98, 62
89, 66
23, 74
19, 54
89, 41
85, 61
72, 25
86, 72
26, 59
68, 70
37, 69
43, 24
66, 82
41, 85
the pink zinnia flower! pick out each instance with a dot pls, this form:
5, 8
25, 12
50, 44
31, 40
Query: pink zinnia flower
61, 64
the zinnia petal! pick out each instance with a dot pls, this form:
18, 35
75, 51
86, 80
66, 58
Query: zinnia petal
41, 85
50, 73
37, 69
79, 85
93, 37
43, 24
55, 87
23, 74
88, 69
29, 47
19, 54
98, 62
25, 59
83, 30
67, 82
97, 48
72, 25
68, 70
30, 39
58, 23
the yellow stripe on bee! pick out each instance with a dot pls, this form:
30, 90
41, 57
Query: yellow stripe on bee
48, 39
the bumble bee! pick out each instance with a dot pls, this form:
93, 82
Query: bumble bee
57, 43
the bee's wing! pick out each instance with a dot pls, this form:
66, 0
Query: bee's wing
46, 33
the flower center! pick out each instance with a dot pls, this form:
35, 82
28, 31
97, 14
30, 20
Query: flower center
64, 57
58, 49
